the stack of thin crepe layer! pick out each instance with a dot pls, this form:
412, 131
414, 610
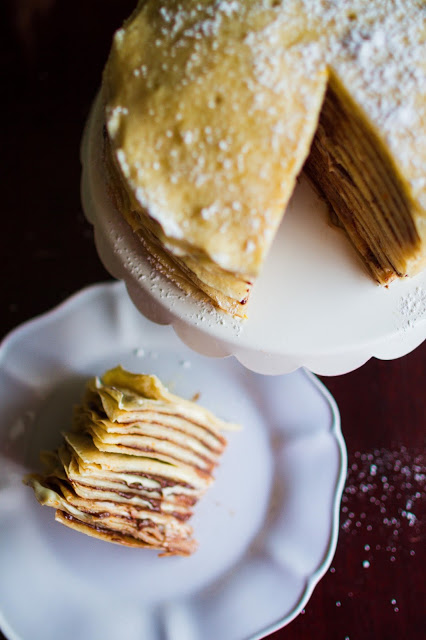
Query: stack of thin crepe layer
366, 194
135, 463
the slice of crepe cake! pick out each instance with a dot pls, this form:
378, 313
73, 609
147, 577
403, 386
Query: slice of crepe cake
134, 464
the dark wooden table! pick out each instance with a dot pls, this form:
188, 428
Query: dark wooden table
51, 59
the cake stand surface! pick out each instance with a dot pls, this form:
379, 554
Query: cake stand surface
313, 305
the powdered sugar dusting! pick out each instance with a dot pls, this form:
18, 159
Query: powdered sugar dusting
209, 317
412, 308
382, 526
378, 50
386, 489
268, 53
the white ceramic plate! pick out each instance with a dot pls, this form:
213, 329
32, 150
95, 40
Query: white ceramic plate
267, 529
313, 306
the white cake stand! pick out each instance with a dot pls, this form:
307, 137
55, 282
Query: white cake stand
313, 306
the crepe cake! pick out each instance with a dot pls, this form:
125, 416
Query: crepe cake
134, 464
211, 109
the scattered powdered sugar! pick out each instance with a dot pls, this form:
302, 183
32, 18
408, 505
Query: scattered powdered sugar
208, 317
209, 212
114, 116
304, 58
163, 288
412, 307
382, 525
377, 50
386, 489
393, 603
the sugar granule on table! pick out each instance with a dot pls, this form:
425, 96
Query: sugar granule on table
386, 488
382, 527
